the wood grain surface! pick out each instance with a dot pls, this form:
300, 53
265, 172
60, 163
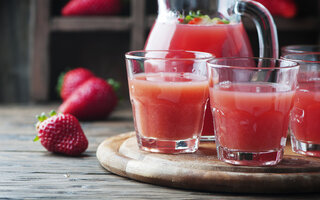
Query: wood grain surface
203, 171
28, 171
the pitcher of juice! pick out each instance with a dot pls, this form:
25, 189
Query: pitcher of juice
212, 26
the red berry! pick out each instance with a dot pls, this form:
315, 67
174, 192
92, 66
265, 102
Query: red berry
92, 7
283, 8
220, 22
181, 20
71, 80
95, 99
196, 20
62, 133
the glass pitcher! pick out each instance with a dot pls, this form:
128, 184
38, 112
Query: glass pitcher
212, 26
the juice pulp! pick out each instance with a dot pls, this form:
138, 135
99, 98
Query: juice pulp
305, 123
222, 40
251, 117
168, 106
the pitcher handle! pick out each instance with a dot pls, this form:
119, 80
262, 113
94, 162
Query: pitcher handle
266, 28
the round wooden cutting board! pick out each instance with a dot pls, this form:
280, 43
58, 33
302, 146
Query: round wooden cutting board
204, 172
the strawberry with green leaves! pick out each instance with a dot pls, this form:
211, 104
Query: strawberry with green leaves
95, 99
61, 133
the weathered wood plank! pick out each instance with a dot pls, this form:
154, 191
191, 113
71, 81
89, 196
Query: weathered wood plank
90, 24
14, 50
39, 68
18, 143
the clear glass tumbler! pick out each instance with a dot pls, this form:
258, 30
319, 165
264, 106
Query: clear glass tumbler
168, 93
305, 124
251, 101
294, 49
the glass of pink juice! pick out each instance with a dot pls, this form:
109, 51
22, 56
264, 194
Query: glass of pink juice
251, 100
305, 124
168, 92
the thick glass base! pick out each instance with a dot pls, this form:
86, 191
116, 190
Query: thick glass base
234, 157
168, 146
207, 138
308, 149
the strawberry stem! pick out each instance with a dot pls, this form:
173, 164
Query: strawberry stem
115, 84
60, 82
36, 139
52, 113
42, 117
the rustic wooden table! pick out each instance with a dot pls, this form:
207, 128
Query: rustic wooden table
28, 171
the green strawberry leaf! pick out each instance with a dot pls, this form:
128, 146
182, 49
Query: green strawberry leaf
52, 113
116, 87
60, 82
36, 139
225, 21
115, 84
41, 117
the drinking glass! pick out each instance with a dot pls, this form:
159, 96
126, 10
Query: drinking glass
305, 125
251, 100
294, 49
168, 93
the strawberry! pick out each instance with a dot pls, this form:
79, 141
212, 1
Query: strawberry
68, 82
93, 100
283, 8
91, 7
196, 20
61, 133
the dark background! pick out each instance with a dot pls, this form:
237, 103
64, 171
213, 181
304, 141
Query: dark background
102, 51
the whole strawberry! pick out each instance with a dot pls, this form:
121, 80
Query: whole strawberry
69, 82
61, 133
92, 7
93, 100
283, 8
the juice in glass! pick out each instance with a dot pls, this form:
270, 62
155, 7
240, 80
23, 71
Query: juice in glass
251, 105
306, 112
252, 117
168, 93
305, 126
222, 40
168, 106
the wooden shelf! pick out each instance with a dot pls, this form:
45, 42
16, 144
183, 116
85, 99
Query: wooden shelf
44, 24
90, 23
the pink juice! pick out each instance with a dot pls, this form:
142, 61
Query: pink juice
251, 117
306, 112
222, 40
169, 106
